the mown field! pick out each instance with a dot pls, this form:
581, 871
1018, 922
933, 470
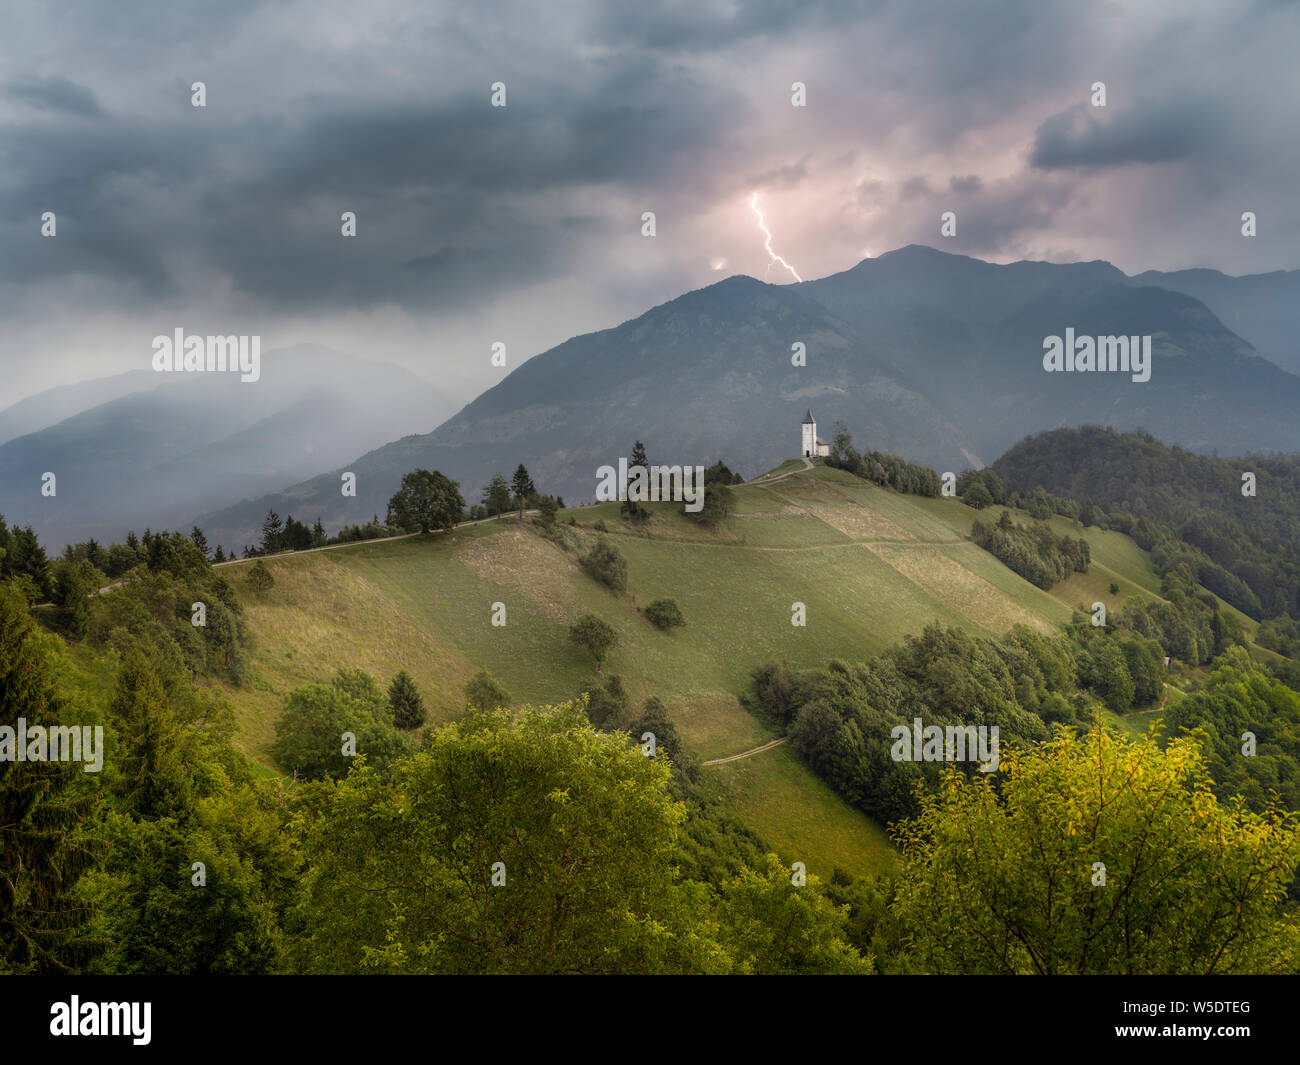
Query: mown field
869, 565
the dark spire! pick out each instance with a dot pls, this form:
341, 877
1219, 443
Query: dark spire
809, 419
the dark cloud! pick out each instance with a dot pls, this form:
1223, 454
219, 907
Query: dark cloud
692, 26
914, 188
55, 94
1088, 137
466, 212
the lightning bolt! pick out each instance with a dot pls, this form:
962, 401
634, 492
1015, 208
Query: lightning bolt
753, 203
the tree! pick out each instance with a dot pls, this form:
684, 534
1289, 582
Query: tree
482, 692
718, 501
318, 536
407, 706
770, 926
521, 485
155, 782
548, 508
1097, 854
496, 496
655, 720
309, 736
259, 578
517, 842
200, 541
639, 456
272, 530
220, 555
427, 500
604, 563
73, 583
43, 854
977, 496
664, 614
721, 473
597, 636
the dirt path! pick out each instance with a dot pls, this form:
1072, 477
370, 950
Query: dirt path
767, 478
1155, 709
746, 754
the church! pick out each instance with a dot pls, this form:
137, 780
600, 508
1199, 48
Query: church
812, 447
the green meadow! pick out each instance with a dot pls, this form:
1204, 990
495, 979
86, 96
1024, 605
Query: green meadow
868, 565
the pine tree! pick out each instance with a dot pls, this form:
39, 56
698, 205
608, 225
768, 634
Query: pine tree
200, 541
220, 556
42, 856
272, 530
154, 778
408, 707
639, 456
318, 537
522, 487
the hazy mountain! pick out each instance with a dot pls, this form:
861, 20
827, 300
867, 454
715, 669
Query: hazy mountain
974, 331
157, 457
55, 404
1263, 309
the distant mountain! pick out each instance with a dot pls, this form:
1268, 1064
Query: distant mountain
933, 356
157, 456
56, 404
1263, 309
974, 332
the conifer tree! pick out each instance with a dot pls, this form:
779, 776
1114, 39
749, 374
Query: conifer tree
404, 698
42, 855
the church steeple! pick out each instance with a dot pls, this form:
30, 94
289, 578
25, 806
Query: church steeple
809, 446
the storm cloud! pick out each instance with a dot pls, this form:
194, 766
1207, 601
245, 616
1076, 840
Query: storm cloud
523, 223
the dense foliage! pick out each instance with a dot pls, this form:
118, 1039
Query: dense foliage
1034, 551
888, 471
1188, 509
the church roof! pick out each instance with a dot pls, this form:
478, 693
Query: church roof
809, 419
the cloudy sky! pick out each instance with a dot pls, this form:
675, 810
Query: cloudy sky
522, 224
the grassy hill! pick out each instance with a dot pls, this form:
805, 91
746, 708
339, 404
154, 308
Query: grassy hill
870, 565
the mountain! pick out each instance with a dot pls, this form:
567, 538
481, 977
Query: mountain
56, 404
158, 455
1263, 309
974, 332
706, 376
933, 356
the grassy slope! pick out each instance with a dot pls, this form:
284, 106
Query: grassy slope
870, 566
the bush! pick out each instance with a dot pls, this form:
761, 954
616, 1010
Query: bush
483, 692
605, 564
664, 614
259, 578
597, 636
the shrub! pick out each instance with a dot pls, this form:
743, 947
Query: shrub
597, 636
605, 564
664, 614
